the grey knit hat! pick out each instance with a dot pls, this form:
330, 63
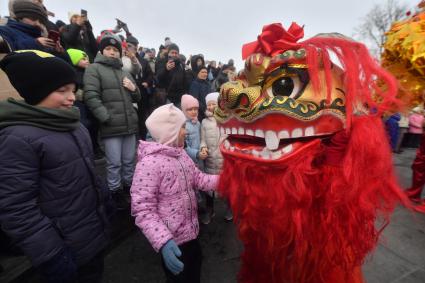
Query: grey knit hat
173, 46
25, 9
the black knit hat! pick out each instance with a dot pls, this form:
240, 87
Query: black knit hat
60, 23
28, 9
173, 46
110, 40
36, 74
131, 39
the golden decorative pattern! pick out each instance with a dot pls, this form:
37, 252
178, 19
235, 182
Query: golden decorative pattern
404, 57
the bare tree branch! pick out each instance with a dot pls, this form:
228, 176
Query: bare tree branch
377, 22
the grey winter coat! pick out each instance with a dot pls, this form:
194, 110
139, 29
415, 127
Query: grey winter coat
108, 100
210, 138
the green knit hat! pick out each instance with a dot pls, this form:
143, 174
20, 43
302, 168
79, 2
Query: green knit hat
76, 55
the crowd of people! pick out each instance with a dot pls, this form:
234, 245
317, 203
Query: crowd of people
53, 206
405, 130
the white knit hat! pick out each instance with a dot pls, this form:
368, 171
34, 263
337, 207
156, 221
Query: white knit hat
213, 96
72, 14
164, 124
418, 110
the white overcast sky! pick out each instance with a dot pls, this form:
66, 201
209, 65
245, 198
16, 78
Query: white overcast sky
215, 28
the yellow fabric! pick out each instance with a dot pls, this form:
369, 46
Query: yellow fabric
404, 57
42, 54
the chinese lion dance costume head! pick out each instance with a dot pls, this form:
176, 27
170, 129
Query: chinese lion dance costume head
307, 166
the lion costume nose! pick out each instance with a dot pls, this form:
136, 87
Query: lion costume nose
234, 96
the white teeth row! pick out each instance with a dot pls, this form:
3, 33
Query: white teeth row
272, 138
265, 153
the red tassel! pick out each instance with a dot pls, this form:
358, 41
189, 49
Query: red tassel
366, 84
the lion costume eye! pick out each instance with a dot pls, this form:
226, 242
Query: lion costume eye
290, 86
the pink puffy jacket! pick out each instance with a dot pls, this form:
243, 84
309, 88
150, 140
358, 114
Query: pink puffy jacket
163, 199
416, 123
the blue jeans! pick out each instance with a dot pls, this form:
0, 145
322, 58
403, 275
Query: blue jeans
120, 153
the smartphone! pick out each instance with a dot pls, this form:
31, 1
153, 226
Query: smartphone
54, 35
83, 13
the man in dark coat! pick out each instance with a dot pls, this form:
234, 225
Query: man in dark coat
79, 35
171, 75
145, 81
51, 203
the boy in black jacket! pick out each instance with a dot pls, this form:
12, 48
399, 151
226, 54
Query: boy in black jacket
51, 204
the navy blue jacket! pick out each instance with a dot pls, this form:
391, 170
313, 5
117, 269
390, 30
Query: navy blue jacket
392, 129
199, 89
20, 35
49, 195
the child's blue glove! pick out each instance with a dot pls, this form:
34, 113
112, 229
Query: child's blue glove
170, 251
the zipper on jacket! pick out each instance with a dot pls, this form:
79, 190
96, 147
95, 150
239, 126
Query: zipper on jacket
187, 191
122, 95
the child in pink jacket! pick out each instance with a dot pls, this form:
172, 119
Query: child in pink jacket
163, 197
416, 124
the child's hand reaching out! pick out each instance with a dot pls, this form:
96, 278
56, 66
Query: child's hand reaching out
203, 153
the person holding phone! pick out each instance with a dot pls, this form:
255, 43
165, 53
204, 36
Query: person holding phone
171, 75
144, 78
79, 34
24, 30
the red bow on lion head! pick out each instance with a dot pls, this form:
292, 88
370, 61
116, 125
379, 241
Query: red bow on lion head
274, 39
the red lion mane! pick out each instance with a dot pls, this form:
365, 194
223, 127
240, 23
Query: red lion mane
305, 222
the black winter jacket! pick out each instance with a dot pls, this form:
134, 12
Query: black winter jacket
50, 198
82, 38
175, 82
